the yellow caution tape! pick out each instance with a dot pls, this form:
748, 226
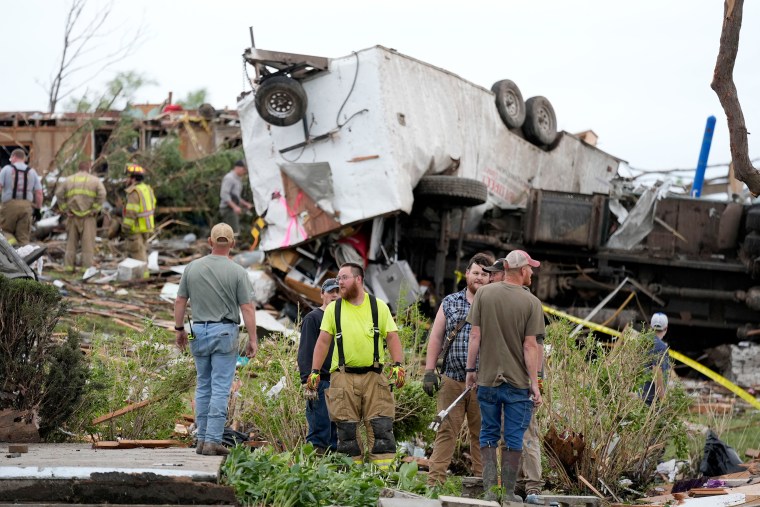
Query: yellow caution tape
704, 370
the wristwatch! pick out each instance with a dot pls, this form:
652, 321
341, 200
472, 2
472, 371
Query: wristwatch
179, 328
470, 370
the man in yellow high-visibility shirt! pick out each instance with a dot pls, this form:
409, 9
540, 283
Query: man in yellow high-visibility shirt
138, 220
81, 198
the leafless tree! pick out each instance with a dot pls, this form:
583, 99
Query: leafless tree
724, 87
83, 56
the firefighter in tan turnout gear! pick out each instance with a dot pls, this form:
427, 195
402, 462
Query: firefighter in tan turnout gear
138, 220
81, 198
359, 393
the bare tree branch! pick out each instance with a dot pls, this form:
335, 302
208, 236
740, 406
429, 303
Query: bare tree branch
725, 89
81, 50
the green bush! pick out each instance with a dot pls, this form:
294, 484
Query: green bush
37, 372
303, 478
63, 387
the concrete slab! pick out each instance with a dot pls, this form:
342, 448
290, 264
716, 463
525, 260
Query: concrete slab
77, 473
458, 501
80, 461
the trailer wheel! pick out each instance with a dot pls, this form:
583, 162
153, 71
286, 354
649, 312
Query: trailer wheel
281, 101
540, 125
753, 218
451, 191
752, 244
509, 103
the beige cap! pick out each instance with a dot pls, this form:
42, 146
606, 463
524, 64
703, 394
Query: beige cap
520, 258
222, 231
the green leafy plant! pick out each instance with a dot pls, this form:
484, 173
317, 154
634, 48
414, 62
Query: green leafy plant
302, 477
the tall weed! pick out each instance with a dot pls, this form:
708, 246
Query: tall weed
594, 390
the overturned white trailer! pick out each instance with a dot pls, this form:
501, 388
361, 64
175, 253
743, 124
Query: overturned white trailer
339, 145
332, 142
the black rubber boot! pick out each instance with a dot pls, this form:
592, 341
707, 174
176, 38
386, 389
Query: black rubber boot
488, 456
510, 465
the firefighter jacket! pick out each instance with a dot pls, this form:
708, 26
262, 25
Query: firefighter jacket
138, 213
81, 194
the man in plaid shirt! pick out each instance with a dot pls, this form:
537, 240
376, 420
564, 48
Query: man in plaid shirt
453, 312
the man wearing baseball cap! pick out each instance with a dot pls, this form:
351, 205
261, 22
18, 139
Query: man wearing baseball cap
506, 319
496, 270
220, 291
322, 433
658, 360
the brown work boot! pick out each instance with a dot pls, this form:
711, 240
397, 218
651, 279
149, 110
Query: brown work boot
214, 449
199, 447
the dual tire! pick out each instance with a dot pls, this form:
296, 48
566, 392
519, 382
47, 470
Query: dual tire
534, 116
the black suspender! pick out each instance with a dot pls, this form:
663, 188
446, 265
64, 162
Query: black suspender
15, 181
375, 328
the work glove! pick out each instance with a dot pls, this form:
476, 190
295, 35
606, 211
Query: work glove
430, 382
397, 376
310, 394
37, 214
312, 381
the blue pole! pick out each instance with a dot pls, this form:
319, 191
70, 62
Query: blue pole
699, 177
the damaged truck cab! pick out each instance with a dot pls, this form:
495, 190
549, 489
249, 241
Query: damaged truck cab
427, 169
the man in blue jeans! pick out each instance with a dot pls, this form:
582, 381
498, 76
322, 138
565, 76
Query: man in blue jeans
505, 320
219, 291
323, 433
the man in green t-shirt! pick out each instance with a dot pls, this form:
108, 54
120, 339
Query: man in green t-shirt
358, 392
219, 291
505, 320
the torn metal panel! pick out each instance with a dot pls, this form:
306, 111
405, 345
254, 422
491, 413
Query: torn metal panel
638, 224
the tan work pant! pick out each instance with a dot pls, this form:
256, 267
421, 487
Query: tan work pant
529, 476
136, 246
80, 230
16, 219
448, 433
360, 398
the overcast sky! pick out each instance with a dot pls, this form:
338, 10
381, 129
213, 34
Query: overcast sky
637, 72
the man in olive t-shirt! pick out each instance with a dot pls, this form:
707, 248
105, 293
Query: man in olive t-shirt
505, 320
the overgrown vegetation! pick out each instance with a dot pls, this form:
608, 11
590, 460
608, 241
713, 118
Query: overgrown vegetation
132, 368
593, 390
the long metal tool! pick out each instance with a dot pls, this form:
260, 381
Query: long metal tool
443, 413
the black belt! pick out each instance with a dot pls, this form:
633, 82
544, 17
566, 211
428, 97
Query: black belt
363, 369
223, 321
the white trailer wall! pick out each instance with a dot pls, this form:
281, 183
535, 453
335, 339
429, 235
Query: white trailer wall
419, 120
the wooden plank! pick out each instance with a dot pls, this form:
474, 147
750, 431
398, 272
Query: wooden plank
711, 408
708, 491
132, 444
752, 453
122, 411
127, 324
590, 486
